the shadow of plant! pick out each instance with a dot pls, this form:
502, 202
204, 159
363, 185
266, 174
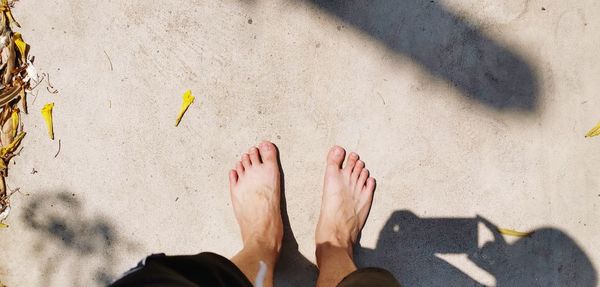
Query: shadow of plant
86, 247
447, 46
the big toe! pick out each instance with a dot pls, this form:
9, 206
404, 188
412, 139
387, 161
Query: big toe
268, 152
335, 157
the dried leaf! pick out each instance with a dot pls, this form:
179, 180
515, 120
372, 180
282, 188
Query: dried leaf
10, 94
9, 149
11, 61
3, 168
6, 134
47, 114
2, 225
593, 132
4, 206
188, 99
515, 233
23, 100
3, 201
5, 114
5, 8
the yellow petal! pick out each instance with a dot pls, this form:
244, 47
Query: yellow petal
21, 45
15, 121
2, 225
188, 99
515, 233
593, 132
47, 114
12, 146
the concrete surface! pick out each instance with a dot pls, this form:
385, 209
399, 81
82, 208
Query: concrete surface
467, 112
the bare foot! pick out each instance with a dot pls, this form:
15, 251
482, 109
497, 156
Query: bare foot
255, 195
347, 196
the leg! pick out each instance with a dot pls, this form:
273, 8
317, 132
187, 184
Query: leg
347, 196
255, 196
204, 269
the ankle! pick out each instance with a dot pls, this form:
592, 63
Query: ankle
267, 249
335, 239
328, 251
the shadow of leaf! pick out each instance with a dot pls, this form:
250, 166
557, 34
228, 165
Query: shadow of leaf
87, 246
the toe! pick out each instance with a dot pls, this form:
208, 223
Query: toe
239, 168
358, 167
246, 161
233, 177
370, 187
362, 179
254, 156
268, 152
365, 200
336, 156
351, 162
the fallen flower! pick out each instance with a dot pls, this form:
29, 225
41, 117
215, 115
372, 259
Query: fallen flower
593, 132
515, 233
15, 121
47, 114
21, 45
188, 99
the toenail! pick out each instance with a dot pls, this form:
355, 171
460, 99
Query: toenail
263, 145
338, 151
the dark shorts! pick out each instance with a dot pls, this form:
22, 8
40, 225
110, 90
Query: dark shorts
209, 269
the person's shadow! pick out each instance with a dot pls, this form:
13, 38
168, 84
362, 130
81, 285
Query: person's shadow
293, 269
407, 247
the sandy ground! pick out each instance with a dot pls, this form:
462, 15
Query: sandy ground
470, 114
